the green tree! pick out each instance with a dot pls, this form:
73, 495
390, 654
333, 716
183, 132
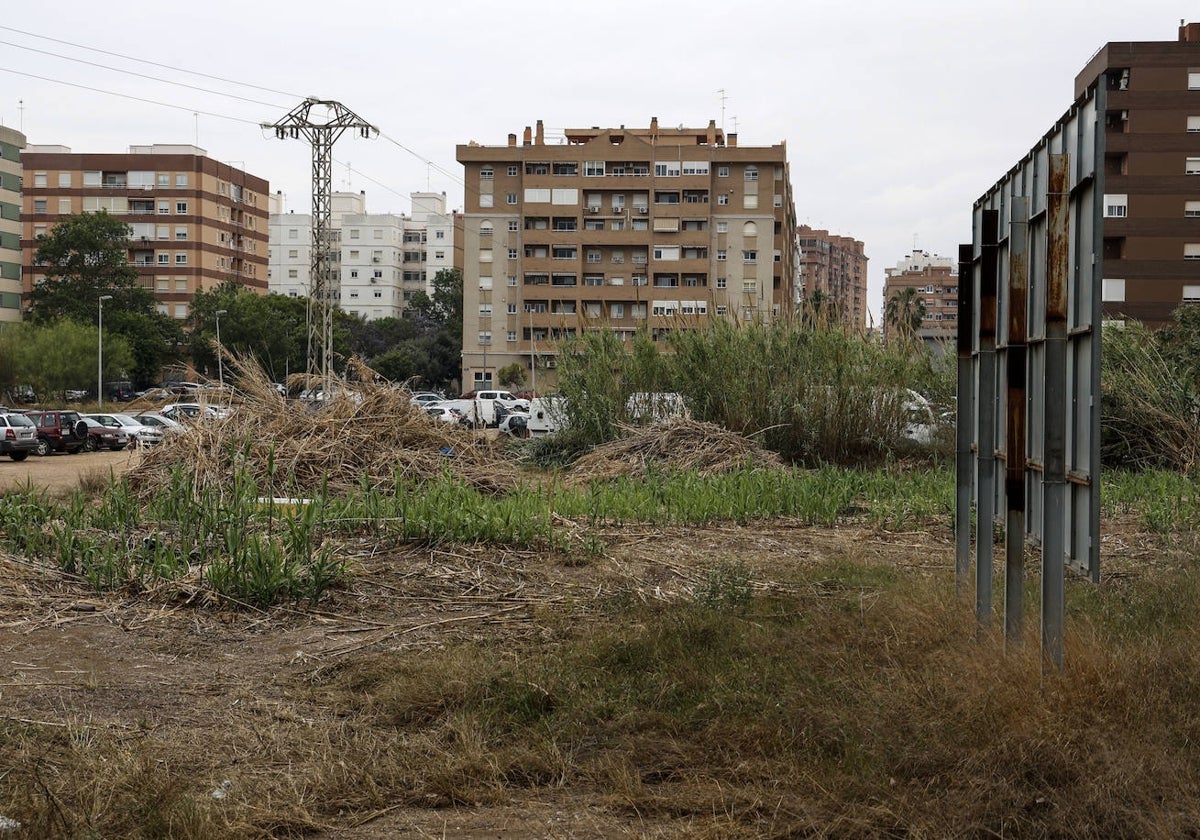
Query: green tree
271, 329
513, 375
444, 309
59, 357
905, 311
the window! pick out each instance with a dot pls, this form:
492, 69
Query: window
666, 252
616, 310
722, 171
511, 198
181, 233
721, 255
749, 229
91, 178
181, 181
1191, 294
293, 273
670, 169
377, 274
695, 167
723, 199
1191, 251
64, 180
1193, 124
593, 256
64, 206
39, 179
181, 259
593, 168
164, 232
441, 234
751, 173
485, 228
354, 233
181, 208
512, 335
512, 280
293, 254
485, 337
750, 201
39, 205
1116, 206
486, 173
513, 224
164, 258
1113, 290
749, 256
181, 311
1192, 167
164, 180
1191, 208
377, 234
512, 309
439, 255
486, 200
353, 274
1194, 80
778, 200
513, 171
485, 255
722, 310
563, 196
485, 310
722, 227
513, 254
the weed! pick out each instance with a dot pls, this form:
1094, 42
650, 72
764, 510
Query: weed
726, 586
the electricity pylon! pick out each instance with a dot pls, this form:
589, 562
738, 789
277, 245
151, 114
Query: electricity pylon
324, 289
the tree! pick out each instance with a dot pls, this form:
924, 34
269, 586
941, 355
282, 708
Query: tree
512, 375
271, 329
444, 310
905, 311
59, 357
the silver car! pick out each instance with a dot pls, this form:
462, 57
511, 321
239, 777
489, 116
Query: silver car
139, 433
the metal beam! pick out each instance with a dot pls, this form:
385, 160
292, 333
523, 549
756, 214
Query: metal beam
1014, 431
964, 426
986, 428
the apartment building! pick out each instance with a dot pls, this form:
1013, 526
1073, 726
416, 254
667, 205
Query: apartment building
1133, 136
620, 228
380, 259
934, 280
835, 266
11, 144
196, 222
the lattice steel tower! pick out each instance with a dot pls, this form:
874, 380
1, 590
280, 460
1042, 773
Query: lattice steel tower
324, 288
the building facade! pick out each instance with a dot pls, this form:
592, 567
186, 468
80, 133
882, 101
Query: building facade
1134, 142
380, 259
196, 222
11, 144
621, 229
934, 280
836, 267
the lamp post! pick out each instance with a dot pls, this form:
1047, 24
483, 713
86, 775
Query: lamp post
220, 364
100, 351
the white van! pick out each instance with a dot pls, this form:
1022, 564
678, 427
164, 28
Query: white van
547, 415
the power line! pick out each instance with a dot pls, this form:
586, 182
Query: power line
152, 63
141, 75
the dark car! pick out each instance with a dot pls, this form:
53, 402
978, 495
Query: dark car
59, 431
19, 436
103, 437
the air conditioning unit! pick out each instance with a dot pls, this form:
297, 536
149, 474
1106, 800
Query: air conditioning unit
593, 210
552, 363
374, 259
643, 210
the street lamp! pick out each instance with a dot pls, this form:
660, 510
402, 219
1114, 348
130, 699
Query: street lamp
100, 351
220, 364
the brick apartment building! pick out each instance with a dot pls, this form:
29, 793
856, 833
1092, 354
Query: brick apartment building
621, 229
935, 280
196, 222
835, 266
1133, 134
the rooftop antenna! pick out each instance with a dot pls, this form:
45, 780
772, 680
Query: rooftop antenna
735, 123
21, 115
196, 122
721, 91
323, 287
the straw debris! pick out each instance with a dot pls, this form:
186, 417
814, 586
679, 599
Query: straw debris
678, 445
364, 432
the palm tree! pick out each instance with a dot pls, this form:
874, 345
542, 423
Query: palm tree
905, 311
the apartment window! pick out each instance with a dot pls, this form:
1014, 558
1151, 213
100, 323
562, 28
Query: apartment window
778, 200
511, 198
723, 199
181, 234
353, 274
722, 171
593, 168
695, 167
514, 171
722, 255
441, 234
1191, 251
164, 180
1192, 167
1191, 208
638, 280
354, 233
1116, 206
485, 310
181, 208
749, 256
164, 259
512, 309
512, 335
181, 311
485, 255
377, 274
1113, 290
181, 181
485, 337
377, 234
1191, 294
750, 201
1193, 124
751, 173
512, 280
1194, 80
64, 206
616, 310
722, 227
513, 254
722, 310
181, 259
593, 256
293, 254
39, 179
293, 274
749, 229
669, 169
485, 200
64, 180
39, 205
666, 252
486, 173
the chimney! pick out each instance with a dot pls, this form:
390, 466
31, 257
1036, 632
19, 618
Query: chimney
653, 126
712, 132
528, 136
1189, 31
541, 134
512, 140
731, 139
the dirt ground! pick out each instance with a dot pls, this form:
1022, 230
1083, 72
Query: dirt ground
60, 473
144, 667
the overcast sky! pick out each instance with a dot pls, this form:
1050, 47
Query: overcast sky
896, 115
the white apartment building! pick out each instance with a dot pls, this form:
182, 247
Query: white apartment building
381, 259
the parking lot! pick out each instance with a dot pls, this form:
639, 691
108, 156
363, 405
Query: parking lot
60, 473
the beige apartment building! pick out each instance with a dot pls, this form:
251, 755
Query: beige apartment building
11, 143
196, 222
836, 267
934, 280
621, 229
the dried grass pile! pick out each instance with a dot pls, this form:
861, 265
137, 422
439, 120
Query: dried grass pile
292, 448
678, 445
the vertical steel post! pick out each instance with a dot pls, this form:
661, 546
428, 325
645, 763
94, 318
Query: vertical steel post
986, 436
1014, 432
1054, 479
964, 421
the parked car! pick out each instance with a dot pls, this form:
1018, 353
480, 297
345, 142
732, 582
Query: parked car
139, 433
19, 436
425, 398
157, 421
444, 413
103, 437
184, 412
515, 423
59, 431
